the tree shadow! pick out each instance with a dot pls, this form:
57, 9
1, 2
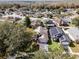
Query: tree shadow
72, 44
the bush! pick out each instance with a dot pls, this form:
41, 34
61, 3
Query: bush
71, 44
15, 37
77, 41
75, 21
27, 22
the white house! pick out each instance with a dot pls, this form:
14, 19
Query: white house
73, 33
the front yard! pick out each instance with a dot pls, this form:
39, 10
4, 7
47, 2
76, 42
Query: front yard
55, 46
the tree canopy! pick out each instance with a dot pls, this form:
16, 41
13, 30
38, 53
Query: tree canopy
27, 22
75, 21
15, 38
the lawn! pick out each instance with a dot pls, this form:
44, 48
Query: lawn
71, 25
76, 48
55, 46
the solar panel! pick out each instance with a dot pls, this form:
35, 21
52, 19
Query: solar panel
58, 35
60, 30
63, 39
55, 31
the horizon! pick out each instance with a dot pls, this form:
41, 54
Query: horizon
38, 0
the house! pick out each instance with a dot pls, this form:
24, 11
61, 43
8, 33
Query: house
65, 21
50, 23
55, 12
64, 40
35, 22
56, 20
73, 33
68, 11
55, 32
38, 14
41, 30
43, 39
58, 35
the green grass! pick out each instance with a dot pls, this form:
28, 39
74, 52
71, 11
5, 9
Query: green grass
71, 25
55, 46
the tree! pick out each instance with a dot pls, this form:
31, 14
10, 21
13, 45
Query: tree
75, 21
27, 22
15, 37
17, 6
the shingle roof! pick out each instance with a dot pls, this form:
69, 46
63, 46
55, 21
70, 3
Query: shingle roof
58, 33
66, 19
64, 40
50, 22
55, 31
74, 32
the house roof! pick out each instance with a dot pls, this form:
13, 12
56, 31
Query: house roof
74, 32
50, 22
54, 31
13, 15
41, 30
63, 38
66, 19
43, 38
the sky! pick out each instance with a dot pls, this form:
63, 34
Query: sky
39, 0
30, 0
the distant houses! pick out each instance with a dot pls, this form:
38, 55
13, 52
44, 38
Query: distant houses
68, 11
65, 21
47, 18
